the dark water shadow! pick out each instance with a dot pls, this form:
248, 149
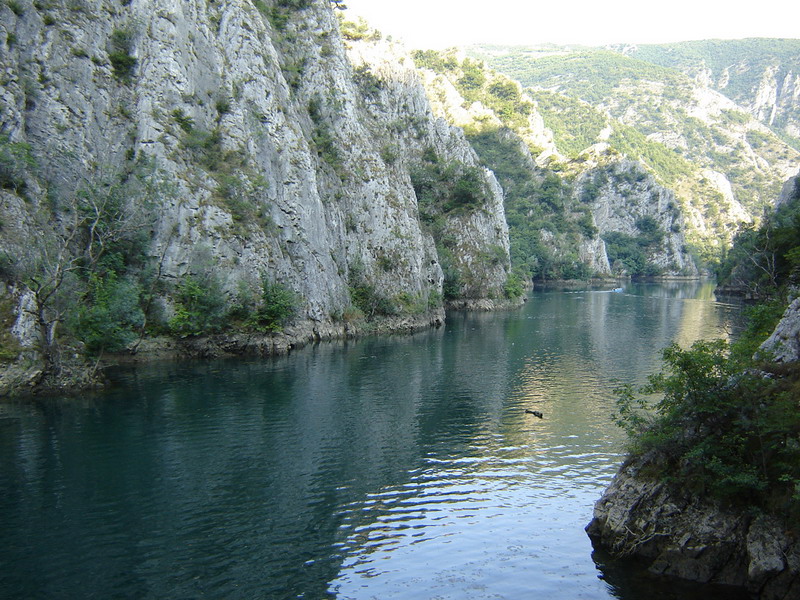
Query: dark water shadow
629, 579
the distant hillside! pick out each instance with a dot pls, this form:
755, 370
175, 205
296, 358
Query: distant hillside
723, 164
762, 75
592, 212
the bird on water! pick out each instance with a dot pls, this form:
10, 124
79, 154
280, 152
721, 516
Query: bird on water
535, 413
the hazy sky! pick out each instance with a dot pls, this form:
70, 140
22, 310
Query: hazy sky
442, 23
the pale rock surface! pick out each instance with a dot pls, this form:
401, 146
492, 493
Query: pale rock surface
267, 94
683, 536
629, 194
783, 346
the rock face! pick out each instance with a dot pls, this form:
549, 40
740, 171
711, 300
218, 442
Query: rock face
276, 151
524, 147
783, 346
683, 536
626, 199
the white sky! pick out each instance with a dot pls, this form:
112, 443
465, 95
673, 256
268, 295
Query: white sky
443, 23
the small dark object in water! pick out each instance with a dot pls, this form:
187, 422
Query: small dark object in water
535, 413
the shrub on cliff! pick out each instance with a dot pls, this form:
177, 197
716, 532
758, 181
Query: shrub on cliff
200, 307
109, 317
719, 428
278, 306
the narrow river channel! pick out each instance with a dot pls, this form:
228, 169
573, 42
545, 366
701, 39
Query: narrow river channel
400, 467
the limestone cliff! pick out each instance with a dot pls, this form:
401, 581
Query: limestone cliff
626, 200
683, 530
250, 142
560, 211
684, 536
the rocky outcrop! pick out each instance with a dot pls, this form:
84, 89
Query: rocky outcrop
684, 536
626, 199
783, 346
681, 533
272, 150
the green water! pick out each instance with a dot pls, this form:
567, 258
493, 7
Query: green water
393, 467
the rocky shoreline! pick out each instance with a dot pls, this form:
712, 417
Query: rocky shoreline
25, 377
681, 535
690, 536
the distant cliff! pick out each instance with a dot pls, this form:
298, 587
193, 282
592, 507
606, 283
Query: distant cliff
188, 155
596, 213
705, 142
762, 75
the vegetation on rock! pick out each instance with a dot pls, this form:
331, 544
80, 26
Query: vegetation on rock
689, 139
727, 423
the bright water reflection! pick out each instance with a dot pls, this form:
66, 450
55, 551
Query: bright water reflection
386, 468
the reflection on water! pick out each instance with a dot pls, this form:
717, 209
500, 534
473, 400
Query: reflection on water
401, 467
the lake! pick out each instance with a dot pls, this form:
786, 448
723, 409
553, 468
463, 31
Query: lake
392, 467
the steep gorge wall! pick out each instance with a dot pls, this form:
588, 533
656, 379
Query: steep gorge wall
268, 156
601, 192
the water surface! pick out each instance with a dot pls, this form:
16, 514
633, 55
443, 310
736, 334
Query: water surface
392, 467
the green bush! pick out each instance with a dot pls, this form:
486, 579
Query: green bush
278, 306
514, 286
629, 252
719, 429
121, 44
370, 301
443, 187
200, 307
109, 317
9, 345
16, 161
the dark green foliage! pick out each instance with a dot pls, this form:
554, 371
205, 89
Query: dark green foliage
205, 147
120, 47
16, 161
16, 7
9, 345
200, 306
368, 82
469, 189
628, 253
184, 121
109, 317
322, 135
514, 286
223, 106
720, 430
278, 306
443, 187
390, 153
370, 301
453, 283
651, 233
366, 297
767, 259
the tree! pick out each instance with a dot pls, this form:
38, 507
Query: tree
74, 267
